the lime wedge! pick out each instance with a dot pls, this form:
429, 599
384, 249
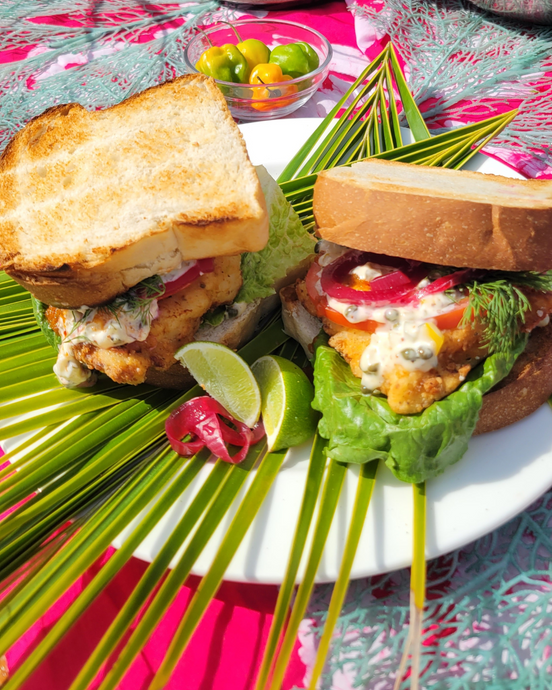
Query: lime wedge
286, 402
225, 376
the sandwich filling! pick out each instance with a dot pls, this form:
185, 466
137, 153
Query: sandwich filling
414, 331
135, 337
144, 327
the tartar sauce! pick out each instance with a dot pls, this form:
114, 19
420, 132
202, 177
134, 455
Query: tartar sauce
408, 335
125, 322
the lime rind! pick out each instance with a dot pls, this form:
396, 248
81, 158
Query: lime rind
286, 395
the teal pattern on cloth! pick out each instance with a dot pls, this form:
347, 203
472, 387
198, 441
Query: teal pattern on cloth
112, 61
459, 57
487, 622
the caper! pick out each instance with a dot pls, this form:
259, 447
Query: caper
373, 368
391, 314
409, 354
232, 311
351, 310
318, 246
365, 390
425, 352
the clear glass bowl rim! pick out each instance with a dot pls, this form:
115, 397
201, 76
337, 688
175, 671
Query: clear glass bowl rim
242, 22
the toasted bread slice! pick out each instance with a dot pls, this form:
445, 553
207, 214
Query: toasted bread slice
525, 389
448, 217
93, 202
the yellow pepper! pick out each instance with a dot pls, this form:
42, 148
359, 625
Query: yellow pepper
435, 334
254, 51
225, 63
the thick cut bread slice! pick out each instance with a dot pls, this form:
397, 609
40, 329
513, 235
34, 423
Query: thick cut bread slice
525, 389
440, 216
93, 202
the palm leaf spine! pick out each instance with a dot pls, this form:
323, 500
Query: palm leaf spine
317, 464
177, 576
247, 510
111, 568
365, 488
331, 491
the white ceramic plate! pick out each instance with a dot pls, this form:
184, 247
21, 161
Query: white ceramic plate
502, 473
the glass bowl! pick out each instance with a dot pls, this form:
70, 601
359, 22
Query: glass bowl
264, 101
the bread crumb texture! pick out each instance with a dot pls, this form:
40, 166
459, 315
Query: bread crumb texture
77, 186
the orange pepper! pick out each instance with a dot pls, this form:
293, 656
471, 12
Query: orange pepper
266, 73
271, 74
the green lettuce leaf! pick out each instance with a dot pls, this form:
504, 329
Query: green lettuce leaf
288, 244
214, 317
39, 310
361, 428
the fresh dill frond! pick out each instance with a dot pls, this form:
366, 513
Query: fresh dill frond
136, 304
499, 302
137, 301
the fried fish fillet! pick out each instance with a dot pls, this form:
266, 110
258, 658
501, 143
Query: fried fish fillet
410, 392
178, 320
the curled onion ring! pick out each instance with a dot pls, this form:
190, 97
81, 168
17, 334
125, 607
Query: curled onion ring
397, 287
200, 419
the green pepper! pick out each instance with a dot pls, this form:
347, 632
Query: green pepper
294, 59
225, 63
254, 51
312, 55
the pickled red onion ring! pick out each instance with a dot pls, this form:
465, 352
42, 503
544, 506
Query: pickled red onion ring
391, 289
200, 419
448, 282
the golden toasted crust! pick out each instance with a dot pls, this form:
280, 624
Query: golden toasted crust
525, 389
440, 216
93, 202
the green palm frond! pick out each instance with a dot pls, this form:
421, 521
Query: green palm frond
94, 463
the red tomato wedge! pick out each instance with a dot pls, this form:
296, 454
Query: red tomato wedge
450, 320
198, 269
338, 318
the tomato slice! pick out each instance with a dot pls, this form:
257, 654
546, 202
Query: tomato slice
450, 320
198, 269
338, 318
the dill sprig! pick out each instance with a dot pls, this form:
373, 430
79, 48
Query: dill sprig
136, 303
137, 300
499, 302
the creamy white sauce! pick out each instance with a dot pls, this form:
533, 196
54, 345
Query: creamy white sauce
367, 272
70, 372
105, 330
407, 344
126, 324
402, 339
329, 252
174, 275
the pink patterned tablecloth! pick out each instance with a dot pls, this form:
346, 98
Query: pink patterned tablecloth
227, 649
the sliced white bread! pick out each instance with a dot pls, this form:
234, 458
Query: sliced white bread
435, 215
93, 202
